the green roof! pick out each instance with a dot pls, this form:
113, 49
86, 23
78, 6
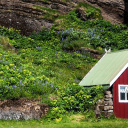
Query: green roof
107, 69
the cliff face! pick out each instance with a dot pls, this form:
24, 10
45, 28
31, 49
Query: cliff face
118, 9
31, 15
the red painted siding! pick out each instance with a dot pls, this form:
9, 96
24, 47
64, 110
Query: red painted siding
120, 109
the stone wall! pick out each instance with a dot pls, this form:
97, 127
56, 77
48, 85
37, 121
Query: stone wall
22, 109
105, 106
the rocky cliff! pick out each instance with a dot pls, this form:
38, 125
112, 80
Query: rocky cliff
118, 9
31, 15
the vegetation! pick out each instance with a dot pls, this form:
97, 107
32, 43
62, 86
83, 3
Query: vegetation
49, 65
113, 123
49, 14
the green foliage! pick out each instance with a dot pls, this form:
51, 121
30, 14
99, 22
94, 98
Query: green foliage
21, 73
104, 123
91, 12
44, 35
98, 34
73, 39
52, 62
17, 81
71, 20
108, 35
11, 33
69, 38
4, 41
75, 98
48, 13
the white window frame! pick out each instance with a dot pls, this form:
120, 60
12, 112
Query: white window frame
122, 101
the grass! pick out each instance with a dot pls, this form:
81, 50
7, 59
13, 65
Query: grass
72, 21
49, 14
46, 9
49, 62
113, 123
45, 59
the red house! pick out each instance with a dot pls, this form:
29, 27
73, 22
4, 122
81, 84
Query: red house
112, 72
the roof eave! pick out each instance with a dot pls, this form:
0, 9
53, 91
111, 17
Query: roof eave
95, 85
119, 74
92, 69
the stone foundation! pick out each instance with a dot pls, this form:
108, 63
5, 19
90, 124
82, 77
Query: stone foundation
105, 106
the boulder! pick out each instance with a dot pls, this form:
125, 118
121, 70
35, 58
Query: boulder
81, 13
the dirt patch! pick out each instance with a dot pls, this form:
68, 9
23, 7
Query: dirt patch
77, 118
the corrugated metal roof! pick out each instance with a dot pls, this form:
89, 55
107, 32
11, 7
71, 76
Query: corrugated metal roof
106, 69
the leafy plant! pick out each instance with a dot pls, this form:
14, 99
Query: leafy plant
74, 99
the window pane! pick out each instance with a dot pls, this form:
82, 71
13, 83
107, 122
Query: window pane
122, 96
122, 89
126, 89
127, 96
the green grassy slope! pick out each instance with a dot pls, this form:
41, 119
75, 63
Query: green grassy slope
43, 62
52, 62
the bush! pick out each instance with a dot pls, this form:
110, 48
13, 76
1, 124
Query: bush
68, 38
44, 35
75, 98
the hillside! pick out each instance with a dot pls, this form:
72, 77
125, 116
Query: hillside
31, 15
115, 11
48, 64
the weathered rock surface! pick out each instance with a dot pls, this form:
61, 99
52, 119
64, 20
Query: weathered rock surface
81, 13
22, 109
116, 8
27, 16
21, 16
31, 15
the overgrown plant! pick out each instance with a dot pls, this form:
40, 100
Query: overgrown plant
75, 98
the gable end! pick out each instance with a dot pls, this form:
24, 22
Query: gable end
119, 74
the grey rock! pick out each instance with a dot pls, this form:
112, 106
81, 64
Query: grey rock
22, 109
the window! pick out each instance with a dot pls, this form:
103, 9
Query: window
123, 93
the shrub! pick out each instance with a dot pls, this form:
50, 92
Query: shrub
44, 35
75, 98
10, 33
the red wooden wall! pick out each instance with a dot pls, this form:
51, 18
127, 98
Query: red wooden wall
120, 109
